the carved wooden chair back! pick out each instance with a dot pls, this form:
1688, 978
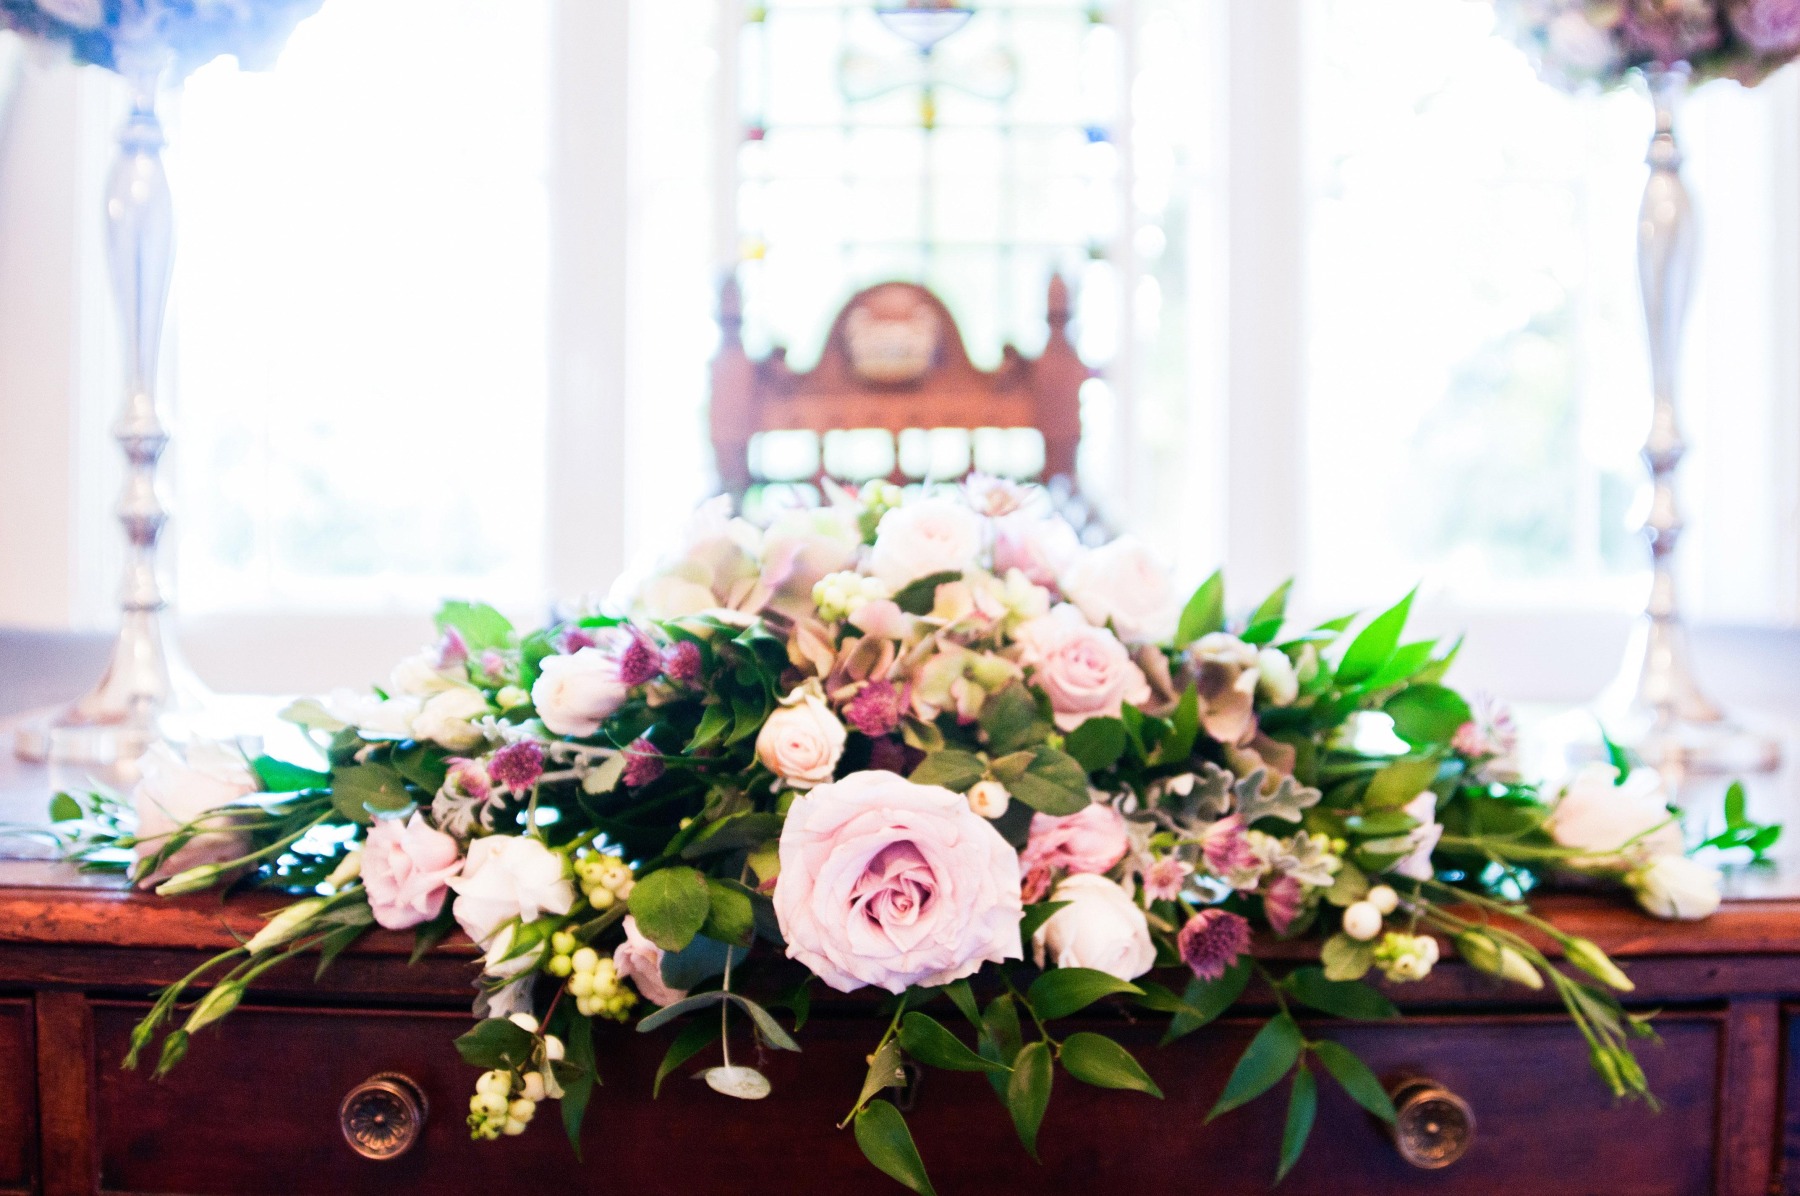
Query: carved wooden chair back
894, 361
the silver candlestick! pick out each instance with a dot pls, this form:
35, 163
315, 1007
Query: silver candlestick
146, 689
1655, 706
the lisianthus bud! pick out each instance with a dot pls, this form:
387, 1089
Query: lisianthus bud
214, 1005
193, 880
348, 869
1673, 886
1591, 959
285, 925
1497, 959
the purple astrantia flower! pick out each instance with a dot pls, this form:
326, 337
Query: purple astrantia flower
890, 755
1769, 27
1211, 941
1164, 878
640, 662
574, 639
1671, 31
1282, 901
875, 710
517, 766
1227, 850
450, 650
468, 777
643, 763
681, 662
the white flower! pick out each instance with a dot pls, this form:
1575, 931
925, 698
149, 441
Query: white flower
1101, 928
931, 535
802, 740
1126, 584
501, 964
507, 877
576, 693
1577, 47
1673, 886
173, 791
1276, 679
372, 716
1595, 814
803, 546
450, 719
716, 565
419, 676
1423, 839
1040, 547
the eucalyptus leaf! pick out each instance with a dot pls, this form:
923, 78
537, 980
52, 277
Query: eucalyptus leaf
695, 1037
669, 1013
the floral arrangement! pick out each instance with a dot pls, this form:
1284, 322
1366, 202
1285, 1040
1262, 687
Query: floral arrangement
194, 32
1576, 44
929, 745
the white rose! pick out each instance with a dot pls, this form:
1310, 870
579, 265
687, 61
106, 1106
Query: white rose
1576, 45
173, 792
1124, 582
418, 676
497, 965
372, 716
714, 565
1276, 680
449, 719
1596, 814
801, 547
802, 740
1673, 886
576, 693
931, 535
1101, 928
507, 877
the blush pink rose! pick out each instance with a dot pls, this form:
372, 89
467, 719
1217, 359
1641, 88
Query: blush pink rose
888, 883
406, 869
1084, 669
640, 961
1092, 840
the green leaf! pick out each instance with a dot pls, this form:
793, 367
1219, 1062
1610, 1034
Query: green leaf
695, 1037
1735, 805
1207, 999
1000, 1025
1355, 1078
578, 1088
422, 766
1265, 621
1427, 714
1184, 729
1342, 998
1381, 824
958, 771
1303, 1107
963, 997
1028, 1093
918, 597
671, 905
766, 1025
1620, 758
1098, 1060
1270, 1055
281, 776
496, 1042
1055, 783
733, 833
925, 1039
731, 917
1345, 958
700, 960
1204, 612
885, 1071
686, 1005
1374, 644
480, 625
886, 1142
1062, 991
1011, 720
361, 790
1399, 783
1036, 916
1097, 743
64, 808
1405, 663
715, 721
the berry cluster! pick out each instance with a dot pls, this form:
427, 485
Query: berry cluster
594, 980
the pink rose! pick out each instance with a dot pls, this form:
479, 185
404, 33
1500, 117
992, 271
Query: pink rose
1084, 669
1040, 548
406, 869
1770, 27
640, 960
889, 883
1092, 840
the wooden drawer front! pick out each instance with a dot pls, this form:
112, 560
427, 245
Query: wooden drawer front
253, 1109
18, 1097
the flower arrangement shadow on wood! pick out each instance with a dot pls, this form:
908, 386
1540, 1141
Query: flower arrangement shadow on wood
929, 745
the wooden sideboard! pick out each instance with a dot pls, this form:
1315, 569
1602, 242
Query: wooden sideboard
255, 1107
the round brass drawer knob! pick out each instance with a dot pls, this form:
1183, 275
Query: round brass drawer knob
383, 1116
1434, 1126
